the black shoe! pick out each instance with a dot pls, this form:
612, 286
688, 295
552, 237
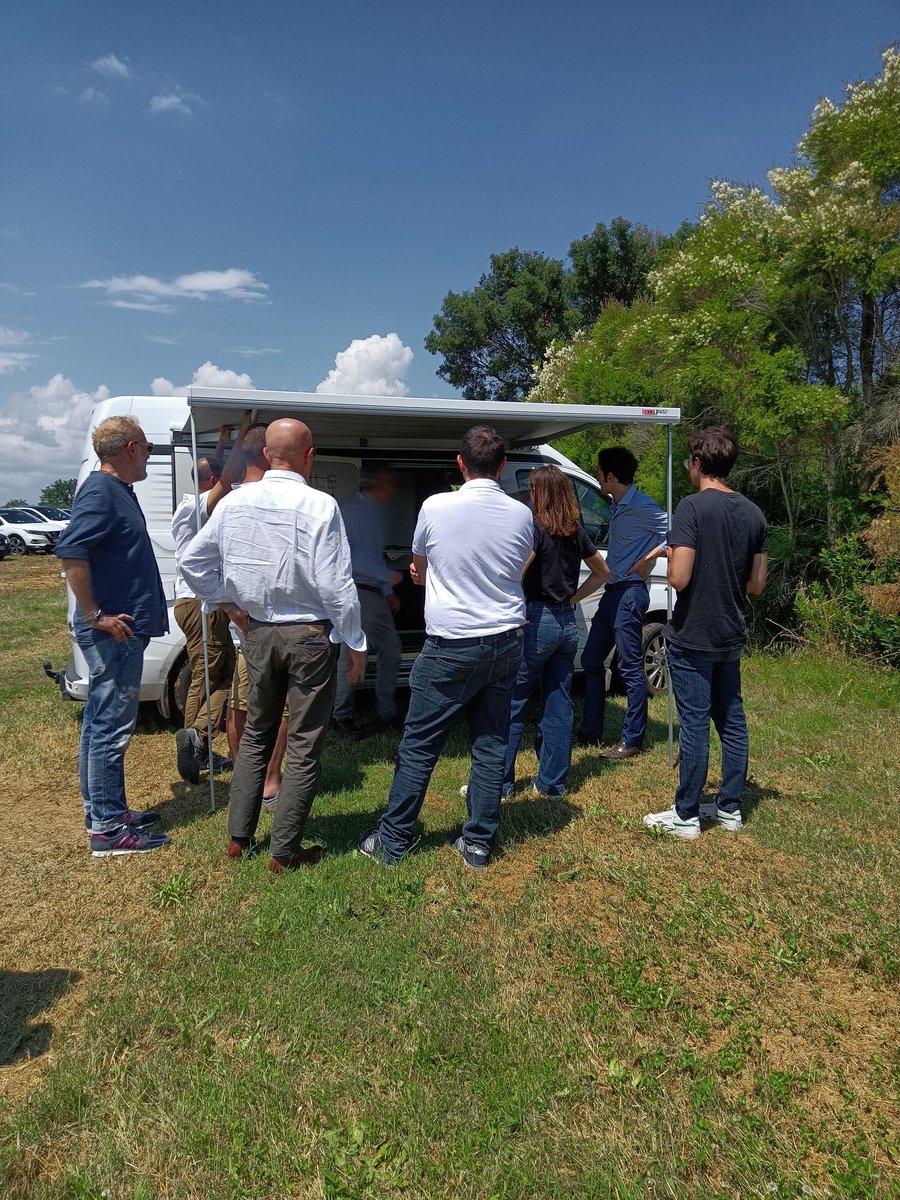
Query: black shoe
620, 752
590, 743
388, 724
217, 763
348, 729
187, 747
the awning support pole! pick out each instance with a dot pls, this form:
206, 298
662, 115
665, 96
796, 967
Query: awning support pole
205, 627
669, 599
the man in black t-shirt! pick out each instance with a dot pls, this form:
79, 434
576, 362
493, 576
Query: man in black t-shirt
717, 554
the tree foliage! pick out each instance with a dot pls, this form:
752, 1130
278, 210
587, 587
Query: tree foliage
778, 315
491, 338
60, 493
16, 504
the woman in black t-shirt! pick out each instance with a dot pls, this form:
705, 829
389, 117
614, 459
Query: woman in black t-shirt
551, 634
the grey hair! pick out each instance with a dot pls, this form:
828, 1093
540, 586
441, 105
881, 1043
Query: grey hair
111, 435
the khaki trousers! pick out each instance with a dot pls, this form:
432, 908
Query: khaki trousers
221, 667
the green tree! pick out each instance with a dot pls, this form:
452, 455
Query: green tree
491, 337
612, 263
16, 504
60, 493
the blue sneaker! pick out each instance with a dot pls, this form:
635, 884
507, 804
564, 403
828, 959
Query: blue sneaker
137, 820
473, 856
370, 845
126, 840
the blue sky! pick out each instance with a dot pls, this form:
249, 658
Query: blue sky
246, 188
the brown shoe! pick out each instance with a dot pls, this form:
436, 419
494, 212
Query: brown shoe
307, 856
238, 847
620, 752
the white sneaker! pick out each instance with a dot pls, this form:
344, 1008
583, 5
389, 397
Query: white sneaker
464, 790
732, 821
670, 822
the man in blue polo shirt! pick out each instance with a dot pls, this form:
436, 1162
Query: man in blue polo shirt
637, 536
110, 566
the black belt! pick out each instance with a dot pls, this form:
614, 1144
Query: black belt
506, 636
368, 587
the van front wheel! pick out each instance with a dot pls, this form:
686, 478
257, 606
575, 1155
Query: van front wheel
176, 690
653, 648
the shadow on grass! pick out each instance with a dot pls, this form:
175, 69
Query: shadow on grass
24, 994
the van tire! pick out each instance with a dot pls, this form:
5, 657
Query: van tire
176, 690
653, 650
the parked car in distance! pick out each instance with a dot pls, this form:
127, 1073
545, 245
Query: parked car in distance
62, 515
26, 533
4, 546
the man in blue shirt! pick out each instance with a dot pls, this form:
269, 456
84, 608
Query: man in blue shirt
637, 535
375, 583
110, 566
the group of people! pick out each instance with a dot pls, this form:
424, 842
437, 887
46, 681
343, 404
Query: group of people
306, 591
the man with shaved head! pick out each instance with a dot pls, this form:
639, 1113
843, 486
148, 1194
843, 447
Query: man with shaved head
276, 558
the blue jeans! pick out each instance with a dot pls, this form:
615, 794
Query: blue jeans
705, 689
110, 715
477, 675
551, 642
619, 622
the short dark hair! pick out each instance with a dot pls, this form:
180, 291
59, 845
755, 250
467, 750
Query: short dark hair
482, 450
716, 450
253, 443
374, 476
618, 461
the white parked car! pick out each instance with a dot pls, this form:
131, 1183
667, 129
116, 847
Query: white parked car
26, 533
47, 512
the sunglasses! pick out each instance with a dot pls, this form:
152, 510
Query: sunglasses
149, 445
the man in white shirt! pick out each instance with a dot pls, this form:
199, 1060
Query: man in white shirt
276, 558
470, 549
192, 741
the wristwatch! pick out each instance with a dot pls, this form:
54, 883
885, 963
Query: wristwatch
94, 617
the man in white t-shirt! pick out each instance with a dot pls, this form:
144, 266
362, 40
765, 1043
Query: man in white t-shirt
470, 549
193, 752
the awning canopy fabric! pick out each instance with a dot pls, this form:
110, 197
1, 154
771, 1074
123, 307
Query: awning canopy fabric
398, 422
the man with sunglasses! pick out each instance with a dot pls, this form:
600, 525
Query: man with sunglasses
109, 564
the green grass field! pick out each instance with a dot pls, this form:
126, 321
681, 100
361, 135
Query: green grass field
603, 1013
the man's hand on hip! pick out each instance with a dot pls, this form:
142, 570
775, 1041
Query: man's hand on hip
357, 665
117, 627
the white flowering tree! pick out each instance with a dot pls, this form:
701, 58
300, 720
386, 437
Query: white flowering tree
780, 314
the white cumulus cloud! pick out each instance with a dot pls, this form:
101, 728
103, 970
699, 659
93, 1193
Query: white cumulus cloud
177, 100
149, 294
42, 435
111, 66
372, 366
92, 96
209, 375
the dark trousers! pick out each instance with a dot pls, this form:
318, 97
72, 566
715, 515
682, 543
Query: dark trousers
707, 691
450, 675
298, 663
619, 622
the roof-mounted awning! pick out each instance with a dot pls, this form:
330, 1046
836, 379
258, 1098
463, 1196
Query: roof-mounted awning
405, 422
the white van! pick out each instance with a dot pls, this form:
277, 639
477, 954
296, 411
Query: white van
418, 439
